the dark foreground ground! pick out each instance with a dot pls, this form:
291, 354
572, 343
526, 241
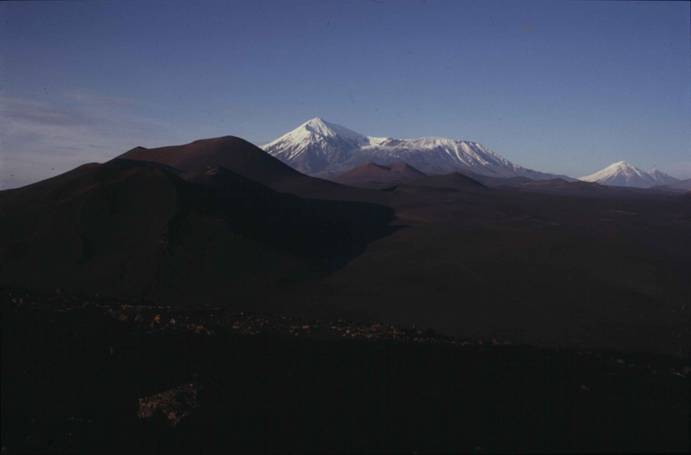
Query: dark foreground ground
84, 376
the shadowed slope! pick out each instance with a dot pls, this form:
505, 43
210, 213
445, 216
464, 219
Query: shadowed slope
249, 161
135, 229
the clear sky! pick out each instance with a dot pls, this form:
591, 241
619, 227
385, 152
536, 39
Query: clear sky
558, 86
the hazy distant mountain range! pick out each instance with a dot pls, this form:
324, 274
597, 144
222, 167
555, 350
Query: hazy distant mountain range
622, 173
321, 148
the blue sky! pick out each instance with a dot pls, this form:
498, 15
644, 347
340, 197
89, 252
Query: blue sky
558, 86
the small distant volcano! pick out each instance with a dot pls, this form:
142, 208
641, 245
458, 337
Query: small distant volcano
622, 173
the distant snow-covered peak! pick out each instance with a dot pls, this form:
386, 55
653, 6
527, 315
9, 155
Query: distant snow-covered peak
317, 129
316, 145
620, 167
625, 166
324, 128
622, 173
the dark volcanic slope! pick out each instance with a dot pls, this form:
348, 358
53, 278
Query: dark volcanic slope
249, 161
229, 152
137, 229
373, 175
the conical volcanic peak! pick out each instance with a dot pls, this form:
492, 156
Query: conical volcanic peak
316, 146
622, 173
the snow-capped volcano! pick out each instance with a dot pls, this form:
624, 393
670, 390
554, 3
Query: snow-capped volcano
622, 173
316, 145
322, 148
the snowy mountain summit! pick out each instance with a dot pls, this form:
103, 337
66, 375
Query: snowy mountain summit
318, 147
622, 173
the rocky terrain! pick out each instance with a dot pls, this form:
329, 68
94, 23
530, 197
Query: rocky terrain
89, 375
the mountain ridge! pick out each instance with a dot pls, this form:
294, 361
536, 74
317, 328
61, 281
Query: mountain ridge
321, 148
